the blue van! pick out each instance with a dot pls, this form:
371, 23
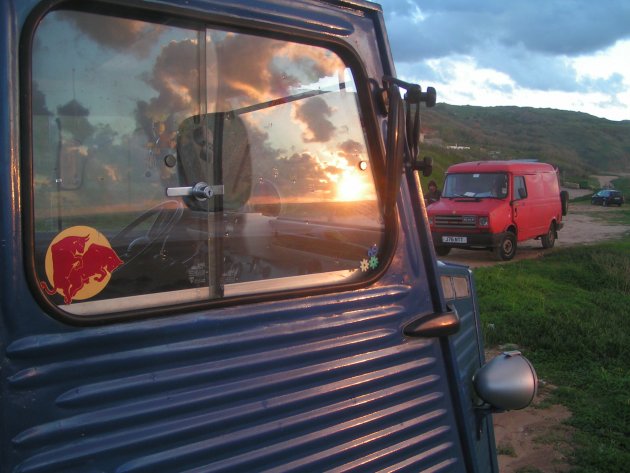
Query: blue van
215, 250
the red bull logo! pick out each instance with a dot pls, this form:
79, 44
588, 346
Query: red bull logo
79, 264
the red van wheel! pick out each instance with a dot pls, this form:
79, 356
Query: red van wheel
549, 239
507, 247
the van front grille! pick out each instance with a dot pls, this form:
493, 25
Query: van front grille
456, 221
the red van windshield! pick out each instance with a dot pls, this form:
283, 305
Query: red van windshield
476, 185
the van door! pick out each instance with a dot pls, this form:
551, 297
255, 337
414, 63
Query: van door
522, 208
211, 283
538, 203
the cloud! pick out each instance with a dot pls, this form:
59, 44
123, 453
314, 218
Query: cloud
529, 69
241, 72
314, 113
570, 27
350, 149
265, 68
558, 50
135, 37
305, 173
176, 77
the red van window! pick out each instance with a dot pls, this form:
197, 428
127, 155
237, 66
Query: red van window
520, 190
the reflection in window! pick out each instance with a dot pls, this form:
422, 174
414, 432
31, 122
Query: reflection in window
192, 164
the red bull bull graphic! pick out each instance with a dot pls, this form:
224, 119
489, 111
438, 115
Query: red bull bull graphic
79, 264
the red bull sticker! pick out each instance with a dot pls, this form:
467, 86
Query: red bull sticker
79, 264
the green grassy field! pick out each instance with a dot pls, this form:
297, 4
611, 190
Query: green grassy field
569, 312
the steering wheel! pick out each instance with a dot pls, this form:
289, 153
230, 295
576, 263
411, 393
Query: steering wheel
167, 214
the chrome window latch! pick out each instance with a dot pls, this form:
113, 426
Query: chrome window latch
200, 191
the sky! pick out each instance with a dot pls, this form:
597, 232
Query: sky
562, 54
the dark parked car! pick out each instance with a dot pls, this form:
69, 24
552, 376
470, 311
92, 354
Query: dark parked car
607, 197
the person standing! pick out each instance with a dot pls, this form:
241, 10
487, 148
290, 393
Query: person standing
434, 193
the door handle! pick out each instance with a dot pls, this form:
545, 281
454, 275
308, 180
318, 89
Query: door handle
200, 191
440, 324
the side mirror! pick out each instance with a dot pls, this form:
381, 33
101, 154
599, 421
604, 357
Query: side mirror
507, 382
214, 148
425, 166
403, 132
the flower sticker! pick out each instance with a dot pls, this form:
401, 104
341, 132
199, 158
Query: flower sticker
373, 262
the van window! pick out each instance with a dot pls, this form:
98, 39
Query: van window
520, 190
175, 165
477, 185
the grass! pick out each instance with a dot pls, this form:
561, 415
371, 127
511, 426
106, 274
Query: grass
570, 314
506, 448
622, 184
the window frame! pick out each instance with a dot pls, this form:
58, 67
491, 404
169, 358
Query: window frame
179, 16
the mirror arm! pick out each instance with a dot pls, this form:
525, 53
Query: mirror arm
414, 91
394, 152
415, 96
481, 413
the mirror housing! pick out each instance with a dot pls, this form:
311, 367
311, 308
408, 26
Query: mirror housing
507, 382
425, 166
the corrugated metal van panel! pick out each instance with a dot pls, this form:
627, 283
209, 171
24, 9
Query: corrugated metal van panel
340, 390
467, 344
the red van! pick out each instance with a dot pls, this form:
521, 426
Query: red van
495, 204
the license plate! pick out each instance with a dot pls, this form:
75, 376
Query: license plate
454, 239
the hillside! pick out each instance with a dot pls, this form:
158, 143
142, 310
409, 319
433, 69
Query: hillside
578, 143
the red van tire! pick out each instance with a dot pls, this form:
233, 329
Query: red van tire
549, 239
442, 250
564, 200
507, 247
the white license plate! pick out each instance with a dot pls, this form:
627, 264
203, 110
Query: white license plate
454, 239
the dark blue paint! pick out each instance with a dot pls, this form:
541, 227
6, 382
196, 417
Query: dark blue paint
307, 384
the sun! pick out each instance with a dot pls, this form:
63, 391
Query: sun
350, 186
